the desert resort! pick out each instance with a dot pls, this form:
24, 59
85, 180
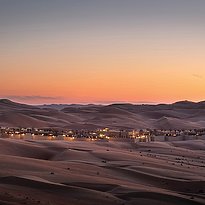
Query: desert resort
103, 134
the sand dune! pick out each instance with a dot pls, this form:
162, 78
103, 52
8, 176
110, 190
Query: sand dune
175, 123
180, 115
80, 172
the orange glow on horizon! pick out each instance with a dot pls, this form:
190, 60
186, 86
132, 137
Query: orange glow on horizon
102, 51
104, 75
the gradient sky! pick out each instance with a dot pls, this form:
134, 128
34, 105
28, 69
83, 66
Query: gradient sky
94, 51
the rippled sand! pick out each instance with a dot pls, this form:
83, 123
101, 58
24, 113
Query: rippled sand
94, 173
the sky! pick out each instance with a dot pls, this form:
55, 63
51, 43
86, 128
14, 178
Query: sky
94, 51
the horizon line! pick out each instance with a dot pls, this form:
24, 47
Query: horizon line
100, 102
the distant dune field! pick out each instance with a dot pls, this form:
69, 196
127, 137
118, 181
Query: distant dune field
180, 115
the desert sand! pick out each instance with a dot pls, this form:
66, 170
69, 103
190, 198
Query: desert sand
92, 173
179, 115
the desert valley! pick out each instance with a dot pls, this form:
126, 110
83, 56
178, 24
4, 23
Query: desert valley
102, 102
110, 170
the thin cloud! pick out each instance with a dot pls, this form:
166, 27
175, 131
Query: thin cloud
146, 102
31, 97
197, 76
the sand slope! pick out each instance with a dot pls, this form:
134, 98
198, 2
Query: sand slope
80, 172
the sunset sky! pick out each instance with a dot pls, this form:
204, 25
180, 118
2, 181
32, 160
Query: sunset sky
102, 51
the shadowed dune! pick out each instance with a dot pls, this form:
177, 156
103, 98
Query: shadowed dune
80, 172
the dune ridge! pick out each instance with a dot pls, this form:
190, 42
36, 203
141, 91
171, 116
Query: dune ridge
179, 115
